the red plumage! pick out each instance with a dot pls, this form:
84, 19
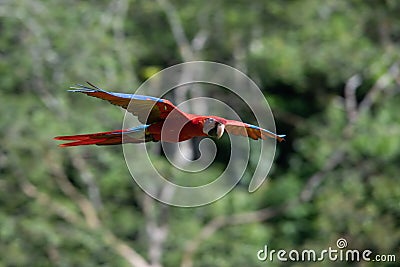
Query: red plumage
162, 122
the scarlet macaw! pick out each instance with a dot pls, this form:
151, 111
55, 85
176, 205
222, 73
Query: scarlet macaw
162, 122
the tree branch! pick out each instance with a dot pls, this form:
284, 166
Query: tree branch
88, 178
119, 246
177, 30
48, 203
124, 250
235, 219
350, 96
383, 81
88, 210
156, 227
307, 194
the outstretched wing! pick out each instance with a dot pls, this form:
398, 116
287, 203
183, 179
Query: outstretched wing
148, 109
252, 131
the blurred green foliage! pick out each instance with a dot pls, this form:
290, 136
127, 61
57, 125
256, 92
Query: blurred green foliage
335, 176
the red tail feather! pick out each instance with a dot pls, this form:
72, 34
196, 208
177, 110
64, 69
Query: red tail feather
104, 138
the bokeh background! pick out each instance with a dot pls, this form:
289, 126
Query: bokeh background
329, 70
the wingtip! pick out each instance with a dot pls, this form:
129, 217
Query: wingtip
281, 137
79, 88
92, 85
84, 88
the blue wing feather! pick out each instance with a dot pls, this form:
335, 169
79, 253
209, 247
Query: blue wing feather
148, 109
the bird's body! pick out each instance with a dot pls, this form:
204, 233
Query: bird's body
162, 121
177, 130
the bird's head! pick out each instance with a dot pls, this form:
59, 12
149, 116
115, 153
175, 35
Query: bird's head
213, 128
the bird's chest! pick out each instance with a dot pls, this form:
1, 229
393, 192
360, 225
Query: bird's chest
175, 130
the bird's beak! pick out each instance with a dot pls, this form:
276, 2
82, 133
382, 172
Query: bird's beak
220, 130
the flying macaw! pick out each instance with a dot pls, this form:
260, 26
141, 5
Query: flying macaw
162, 121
